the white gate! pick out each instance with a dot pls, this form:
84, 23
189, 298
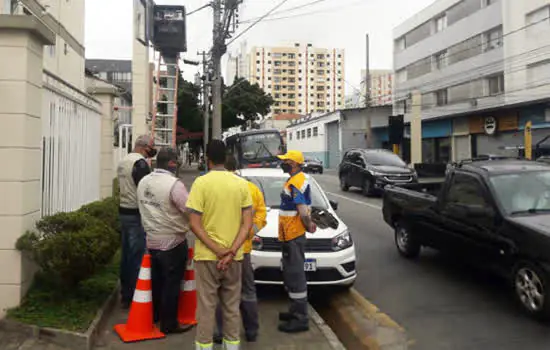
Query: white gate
124, 145
71, 136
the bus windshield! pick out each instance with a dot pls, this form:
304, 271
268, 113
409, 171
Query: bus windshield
257, 147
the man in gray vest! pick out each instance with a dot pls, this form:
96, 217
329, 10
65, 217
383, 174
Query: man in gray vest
131, 169
162, 198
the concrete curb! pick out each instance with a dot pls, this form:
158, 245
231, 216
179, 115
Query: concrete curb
333, 340
69, 339
372, 328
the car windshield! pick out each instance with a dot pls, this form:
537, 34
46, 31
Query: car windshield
272, 187
523, 192
311, 159
260, 146
384, 158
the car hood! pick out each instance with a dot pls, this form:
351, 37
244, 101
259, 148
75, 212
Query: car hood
391, 169
536, 222
272, 227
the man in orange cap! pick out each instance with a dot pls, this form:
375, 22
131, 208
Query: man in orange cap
294, 222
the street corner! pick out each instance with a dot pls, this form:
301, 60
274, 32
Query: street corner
364, 325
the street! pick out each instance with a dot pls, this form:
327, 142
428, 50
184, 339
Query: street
442, 304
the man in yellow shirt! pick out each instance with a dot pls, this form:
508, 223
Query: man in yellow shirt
249, 301
220, 215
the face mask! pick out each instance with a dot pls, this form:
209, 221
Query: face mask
151, 152
172, 169
287, 168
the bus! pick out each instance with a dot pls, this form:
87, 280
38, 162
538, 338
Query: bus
256, 148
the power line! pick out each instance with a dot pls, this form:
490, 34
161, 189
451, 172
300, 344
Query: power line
257, 21
332, 9
197, 10
287, 10
478, 45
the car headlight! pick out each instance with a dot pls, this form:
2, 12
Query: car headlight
257, 243
342, 241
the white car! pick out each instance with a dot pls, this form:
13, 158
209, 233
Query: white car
330, 254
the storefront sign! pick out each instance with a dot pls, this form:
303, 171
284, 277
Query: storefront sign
490, 125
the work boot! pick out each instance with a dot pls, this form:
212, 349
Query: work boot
285, 316
294, 326
251, 337
218, 339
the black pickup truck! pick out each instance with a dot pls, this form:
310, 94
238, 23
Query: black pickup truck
495, 214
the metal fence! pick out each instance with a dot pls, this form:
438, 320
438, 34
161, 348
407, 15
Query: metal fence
71, 154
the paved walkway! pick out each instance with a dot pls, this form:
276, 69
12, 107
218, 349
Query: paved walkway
269, 339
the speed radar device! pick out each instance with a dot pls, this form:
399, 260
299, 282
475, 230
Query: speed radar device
170, 29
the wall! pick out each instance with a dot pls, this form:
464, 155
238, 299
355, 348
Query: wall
354, 125
521, 84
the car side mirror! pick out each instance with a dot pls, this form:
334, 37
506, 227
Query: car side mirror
334, 205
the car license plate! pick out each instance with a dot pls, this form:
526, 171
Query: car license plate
309, 265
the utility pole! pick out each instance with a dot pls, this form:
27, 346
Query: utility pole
224, 26
217, 52
367, 95
205, 99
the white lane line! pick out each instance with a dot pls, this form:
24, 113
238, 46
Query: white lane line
355, 201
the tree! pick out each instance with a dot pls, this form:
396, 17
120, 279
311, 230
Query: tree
189, 106
243, 102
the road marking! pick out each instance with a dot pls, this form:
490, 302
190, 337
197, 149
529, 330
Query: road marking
374, 206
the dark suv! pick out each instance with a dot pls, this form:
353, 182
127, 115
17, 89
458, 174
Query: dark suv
372, 169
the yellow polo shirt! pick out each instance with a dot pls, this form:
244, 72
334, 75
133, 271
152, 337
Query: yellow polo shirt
220, 197
260, 213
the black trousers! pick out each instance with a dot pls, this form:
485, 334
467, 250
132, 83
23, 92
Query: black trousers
167, 269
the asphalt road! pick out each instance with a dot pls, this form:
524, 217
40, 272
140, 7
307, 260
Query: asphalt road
443, 304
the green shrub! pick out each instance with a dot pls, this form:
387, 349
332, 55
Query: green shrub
70, 247
116, 187
105, 210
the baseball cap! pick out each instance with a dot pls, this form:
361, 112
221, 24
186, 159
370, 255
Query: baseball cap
296, 156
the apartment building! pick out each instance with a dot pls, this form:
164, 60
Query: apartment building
302, 79
238, 64
475, 63
381, 87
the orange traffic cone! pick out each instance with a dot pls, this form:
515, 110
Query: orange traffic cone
140, 319
187, 305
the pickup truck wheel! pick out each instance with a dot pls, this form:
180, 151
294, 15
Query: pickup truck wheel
406, 245
343, 183
532, 286
368, 188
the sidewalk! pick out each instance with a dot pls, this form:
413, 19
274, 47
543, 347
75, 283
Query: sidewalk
269, 338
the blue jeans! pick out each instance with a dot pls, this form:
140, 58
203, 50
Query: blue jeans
133, 248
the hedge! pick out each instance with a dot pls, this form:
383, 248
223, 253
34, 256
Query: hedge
71, 247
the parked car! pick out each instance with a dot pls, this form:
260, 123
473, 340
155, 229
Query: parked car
544, 159
312, 165
330, 253
372, 169
481, 157
495, 214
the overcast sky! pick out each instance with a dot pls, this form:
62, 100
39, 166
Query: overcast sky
328, 23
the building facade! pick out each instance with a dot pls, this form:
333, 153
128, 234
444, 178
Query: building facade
478, 65
238, 64
59, 144
328, 136
381, 87
302, 79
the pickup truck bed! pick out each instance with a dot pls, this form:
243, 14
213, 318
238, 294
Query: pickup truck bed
407, 199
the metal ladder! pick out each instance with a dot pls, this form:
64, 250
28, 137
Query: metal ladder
165, 115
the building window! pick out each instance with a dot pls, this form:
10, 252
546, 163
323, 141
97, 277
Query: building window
315, 131
290, 136
493, 39
441, 97
496, 84
298, 135
440, 23
308, 133
537, 21
303, 134
440, 60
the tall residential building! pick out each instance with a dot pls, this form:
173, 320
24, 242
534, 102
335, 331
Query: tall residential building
302, 79
482, 70
238, 64
381, 87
